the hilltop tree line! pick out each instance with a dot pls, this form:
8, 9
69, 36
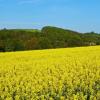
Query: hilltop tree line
48, 37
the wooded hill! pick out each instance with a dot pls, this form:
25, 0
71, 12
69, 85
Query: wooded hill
46, 38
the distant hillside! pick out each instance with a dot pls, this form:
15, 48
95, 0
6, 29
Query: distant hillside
29, 30
47, 37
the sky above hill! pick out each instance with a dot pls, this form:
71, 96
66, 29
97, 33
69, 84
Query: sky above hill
79, 15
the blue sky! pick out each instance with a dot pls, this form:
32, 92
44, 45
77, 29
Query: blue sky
79, 15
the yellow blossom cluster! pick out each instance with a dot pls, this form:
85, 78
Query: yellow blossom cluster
55, 74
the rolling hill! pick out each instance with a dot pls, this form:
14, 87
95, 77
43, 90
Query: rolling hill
46, 38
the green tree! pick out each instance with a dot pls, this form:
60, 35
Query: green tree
44, 43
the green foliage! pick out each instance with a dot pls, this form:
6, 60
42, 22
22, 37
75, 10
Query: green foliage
48, 37
44, 43
31, 43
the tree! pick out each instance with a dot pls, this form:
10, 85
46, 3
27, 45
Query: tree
2, 48
31, 43
18, 45
44, 43
9, 45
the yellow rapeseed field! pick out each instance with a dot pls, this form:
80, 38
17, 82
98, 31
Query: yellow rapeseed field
56, 74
